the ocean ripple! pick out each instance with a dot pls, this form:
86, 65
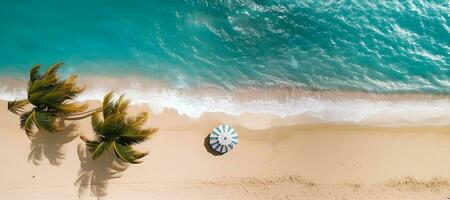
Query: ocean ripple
382, 47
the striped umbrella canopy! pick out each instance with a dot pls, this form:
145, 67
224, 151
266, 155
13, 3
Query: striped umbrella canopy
223, 138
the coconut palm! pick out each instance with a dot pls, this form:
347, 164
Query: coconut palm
52, 100
117, 132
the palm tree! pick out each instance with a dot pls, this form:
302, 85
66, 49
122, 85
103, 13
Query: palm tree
52, 100
117, 132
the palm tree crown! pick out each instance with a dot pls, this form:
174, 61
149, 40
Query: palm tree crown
51, 99
118, 132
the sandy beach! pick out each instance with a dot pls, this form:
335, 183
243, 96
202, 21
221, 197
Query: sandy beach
272, 161
331, 100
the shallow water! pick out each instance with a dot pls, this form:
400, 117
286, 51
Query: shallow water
377, 47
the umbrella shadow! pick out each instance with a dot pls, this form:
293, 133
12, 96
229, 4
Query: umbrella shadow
208, 147
94, 175
50, 145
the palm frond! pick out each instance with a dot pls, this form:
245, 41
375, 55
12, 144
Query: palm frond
16, 107
40, 120
108, 105
127, 154
133, 136
50, 75
34, 73
138, 121
28, 121
100, 149
107, 99
96, 122
70, 87
91, 145
66, 109
55, 95
112, 126
133, 133
121, 105
38, 86
44, 120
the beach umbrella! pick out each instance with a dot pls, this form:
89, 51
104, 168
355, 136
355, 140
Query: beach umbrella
223, 138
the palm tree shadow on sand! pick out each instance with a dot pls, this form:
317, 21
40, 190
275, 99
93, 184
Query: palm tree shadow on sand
94, 175
50, 145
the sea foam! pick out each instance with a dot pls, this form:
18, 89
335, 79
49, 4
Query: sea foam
360, 109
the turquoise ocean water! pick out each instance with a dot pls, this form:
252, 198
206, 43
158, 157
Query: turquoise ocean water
375, 46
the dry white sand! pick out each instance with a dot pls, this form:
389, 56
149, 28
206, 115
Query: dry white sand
271, 161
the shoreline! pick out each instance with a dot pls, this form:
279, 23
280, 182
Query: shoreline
305, 106
280, 93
